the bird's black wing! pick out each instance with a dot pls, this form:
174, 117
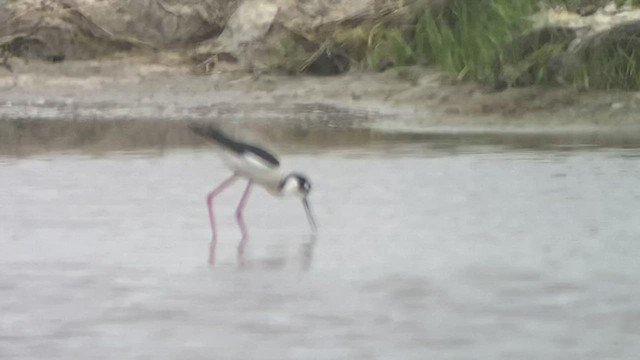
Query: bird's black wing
261, 153
212, 133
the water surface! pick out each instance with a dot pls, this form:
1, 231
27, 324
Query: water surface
422, 254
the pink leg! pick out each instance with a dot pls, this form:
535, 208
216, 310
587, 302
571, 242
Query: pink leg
214, 233
243, 228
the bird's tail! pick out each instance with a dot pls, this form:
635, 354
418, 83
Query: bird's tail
211, 132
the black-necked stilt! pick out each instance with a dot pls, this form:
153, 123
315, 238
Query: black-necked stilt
259, 166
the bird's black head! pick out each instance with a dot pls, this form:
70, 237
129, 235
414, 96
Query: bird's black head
299, 185
295, 184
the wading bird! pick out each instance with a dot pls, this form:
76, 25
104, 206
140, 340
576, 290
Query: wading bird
259, 167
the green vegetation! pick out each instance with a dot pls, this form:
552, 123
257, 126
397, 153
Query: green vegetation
288, 55
491, 41
469, 37
377, 46
488, 41
611, 62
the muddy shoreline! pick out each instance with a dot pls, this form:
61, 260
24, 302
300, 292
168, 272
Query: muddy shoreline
137, 103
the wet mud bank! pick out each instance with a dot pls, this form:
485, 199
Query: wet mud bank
123, 105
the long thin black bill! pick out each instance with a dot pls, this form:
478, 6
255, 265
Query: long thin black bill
312, 220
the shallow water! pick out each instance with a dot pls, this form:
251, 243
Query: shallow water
422, 254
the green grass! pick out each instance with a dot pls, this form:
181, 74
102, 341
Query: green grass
615, 66
484, 40
390, 47
377, 46
287, 56
469, 39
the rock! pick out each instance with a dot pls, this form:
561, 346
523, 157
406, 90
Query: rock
249, 23
84, 29
243, 32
